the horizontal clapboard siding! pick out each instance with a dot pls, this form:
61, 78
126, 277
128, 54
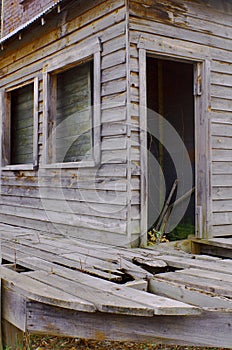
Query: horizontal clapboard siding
198, 30
88, 203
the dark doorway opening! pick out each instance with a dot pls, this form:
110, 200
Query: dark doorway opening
170, 93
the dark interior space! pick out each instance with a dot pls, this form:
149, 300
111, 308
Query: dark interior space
170, 94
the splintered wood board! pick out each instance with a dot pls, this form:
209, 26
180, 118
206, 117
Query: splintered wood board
102, 252
83, 282
20, 251
183, 290
219, 276
206, 284
160, 305
103, 301
41, 292
99, 261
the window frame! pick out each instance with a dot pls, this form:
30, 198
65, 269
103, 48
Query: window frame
71, 58
5, 120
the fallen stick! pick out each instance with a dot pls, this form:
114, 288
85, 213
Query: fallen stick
166, 205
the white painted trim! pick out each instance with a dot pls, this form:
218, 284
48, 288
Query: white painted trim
18, 167
70, 165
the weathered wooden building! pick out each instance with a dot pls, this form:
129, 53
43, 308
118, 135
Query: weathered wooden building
76, 81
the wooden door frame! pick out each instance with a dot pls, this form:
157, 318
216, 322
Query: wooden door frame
203, 206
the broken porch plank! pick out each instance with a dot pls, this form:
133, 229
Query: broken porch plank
161, 306
188, 262
19, 251
216, 287
223, 277
136, 272
12, 336
41, 292
14, 306
103, 301
137, 284
187, 294
154, 264
86, 261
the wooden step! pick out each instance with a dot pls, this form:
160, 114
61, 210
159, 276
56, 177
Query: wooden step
221, 247
199, 287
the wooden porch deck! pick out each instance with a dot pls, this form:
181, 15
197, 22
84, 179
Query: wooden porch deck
63, 286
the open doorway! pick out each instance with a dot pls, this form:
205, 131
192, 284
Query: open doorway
170, 93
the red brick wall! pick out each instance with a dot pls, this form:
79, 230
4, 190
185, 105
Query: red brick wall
17, 12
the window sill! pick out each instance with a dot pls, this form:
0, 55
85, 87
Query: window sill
70, 165
18, 167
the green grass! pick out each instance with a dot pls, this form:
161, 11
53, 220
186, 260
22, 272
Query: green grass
182, 231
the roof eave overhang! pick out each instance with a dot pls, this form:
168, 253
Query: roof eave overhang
26, 25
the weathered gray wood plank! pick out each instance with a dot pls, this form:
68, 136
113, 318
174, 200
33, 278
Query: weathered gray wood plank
80, 265
221, 230
224, 218
183, 262
219, 167
221, 242
73, 220
186, 294
12, 336
220, 11
208, 274
44, 293
98, 209
14, 306
103, 301
221, 206
222, 193
96, 235
209, 329
161, 306
201, 283
180, 33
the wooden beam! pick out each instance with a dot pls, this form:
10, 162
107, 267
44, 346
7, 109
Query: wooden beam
213, 247
209, 329
1, 342
143, 146
12, 336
